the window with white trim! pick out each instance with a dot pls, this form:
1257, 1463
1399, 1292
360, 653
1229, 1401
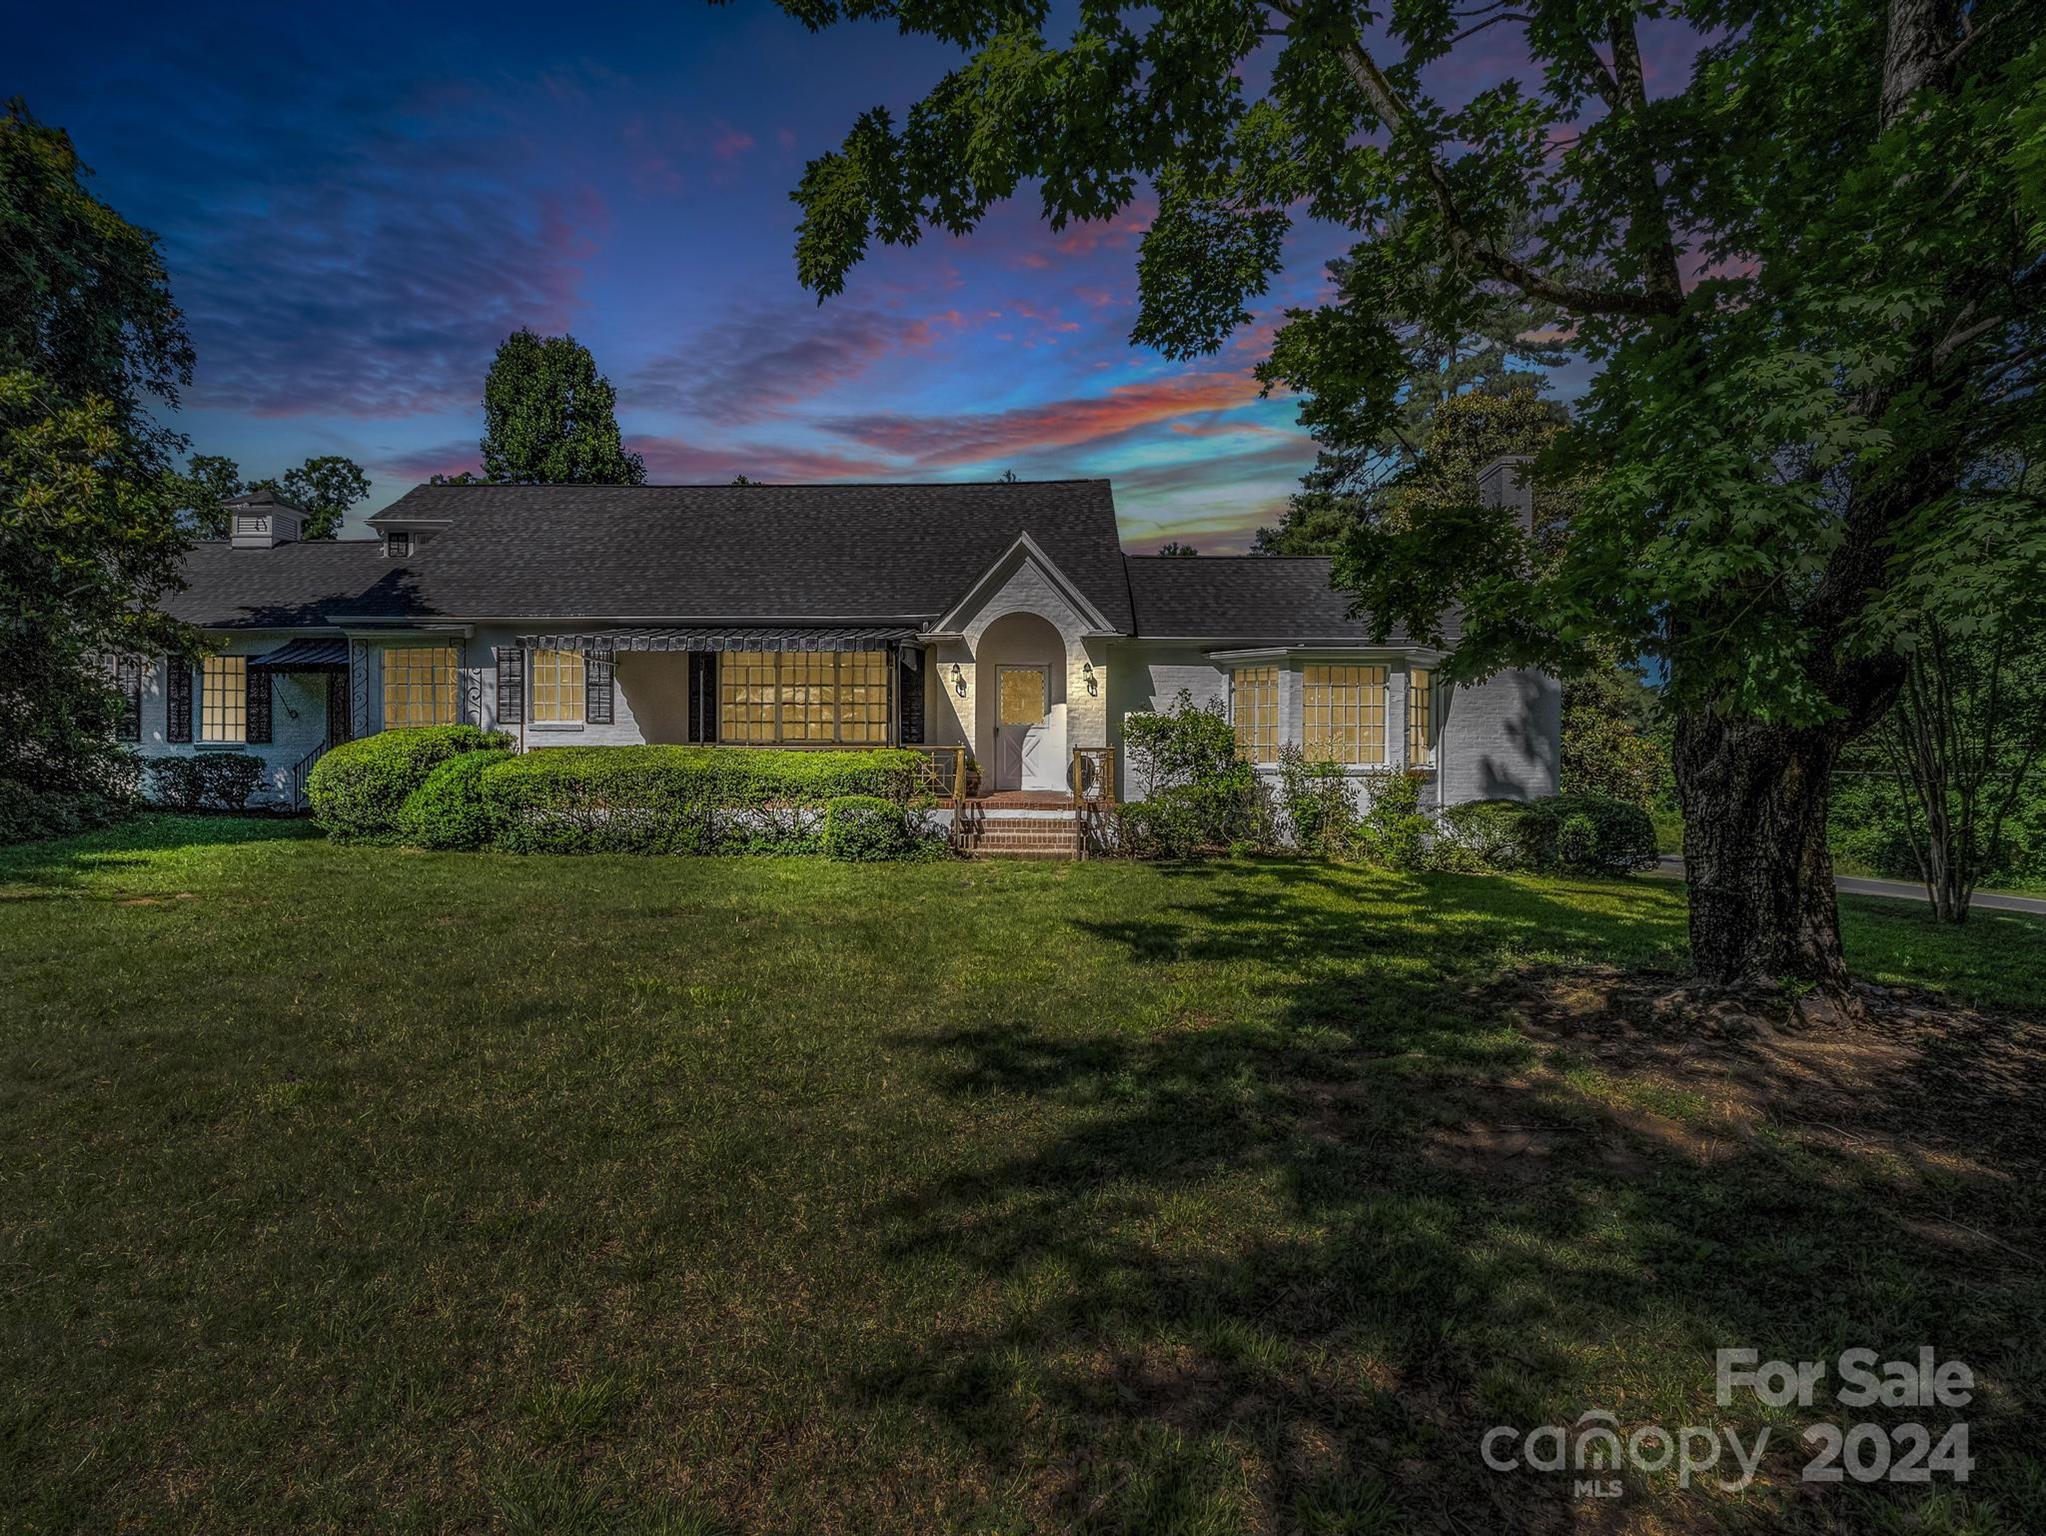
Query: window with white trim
1420, 718
557, 684
1254, 712
419, 686
224, 699
1343, 714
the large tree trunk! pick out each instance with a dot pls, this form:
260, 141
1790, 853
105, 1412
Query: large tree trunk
1754, 797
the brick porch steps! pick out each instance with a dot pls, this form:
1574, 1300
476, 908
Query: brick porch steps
995, 836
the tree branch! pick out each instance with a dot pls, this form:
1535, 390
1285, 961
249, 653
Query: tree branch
1364, 72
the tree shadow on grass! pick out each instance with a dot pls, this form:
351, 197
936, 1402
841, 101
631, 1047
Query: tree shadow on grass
1278, 1267
51, 865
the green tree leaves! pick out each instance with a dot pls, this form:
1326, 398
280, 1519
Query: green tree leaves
549, 418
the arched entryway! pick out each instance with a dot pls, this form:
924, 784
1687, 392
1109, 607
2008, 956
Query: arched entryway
1020, 716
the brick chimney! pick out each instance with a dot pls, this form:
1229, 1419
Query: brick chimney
261, 520
1508, 482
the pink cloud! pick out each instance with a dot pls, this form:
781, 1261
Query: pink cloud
951, 440
728, 143
678, 461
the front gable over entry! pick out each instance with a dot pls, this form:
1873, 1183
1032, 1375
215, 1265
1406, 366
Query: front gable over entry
1024, 580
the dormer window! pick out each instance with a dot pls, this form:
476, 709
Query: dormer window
398, 543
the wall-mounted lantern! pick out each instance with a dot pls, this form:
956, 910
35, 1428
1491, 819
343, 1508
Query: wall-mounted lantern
1093, 682
958, 680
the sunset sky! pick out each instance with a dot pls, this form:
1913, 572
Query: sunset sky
358, 202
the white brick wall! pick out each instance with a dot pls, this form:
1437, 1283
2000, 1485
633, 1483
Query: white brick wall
298, 718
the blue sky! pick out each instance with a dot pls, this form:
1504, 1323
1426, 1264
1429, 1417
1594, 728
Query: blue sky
357, 203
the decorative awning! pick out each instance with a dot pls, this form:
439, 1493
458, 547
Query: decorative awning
869, 638
303, 656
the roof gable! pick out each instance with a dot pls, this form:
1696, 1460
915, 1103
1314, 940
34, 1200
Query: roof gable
1024, 551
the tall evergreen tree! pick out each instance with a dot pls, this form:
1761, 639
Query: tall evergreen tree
549, 418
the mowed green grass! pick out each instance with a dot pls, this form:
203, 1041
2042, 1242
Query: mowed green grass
347, 1189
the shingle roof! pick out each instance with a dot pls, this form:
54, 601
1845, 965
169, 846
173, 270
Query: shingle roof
758, 552
765, 554
1251, 598
289, 587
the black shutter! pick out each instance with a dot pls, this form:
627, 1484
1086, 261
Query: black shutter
177, 725
128, 679
597, 688
703, 696
340, 721
511, 685
909, 698
257, 718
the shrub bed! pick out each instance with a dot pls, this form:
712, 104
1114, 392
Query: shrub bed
1571, 834
448, 810
31, 811
358, 788
674, 799
864, 829
220, 780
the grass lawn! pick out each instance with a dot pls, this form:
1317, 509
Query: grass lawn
347, 1189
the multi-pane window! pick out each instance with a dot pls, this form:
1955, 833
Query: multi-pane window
1420, 718
746, 697
557, 687
1254, 711
803, 698
419, 686
863, 697
1343, 714
224, 699
128, 683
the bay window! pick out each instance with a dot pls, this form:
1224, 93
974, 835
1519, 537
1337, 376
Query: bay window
1254, 711
1420, 718
1343, 714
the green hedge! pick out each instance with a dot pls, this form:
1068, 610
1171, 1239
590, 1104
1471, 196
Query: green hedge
674, 799
863, 829
358, 788
223, 780
1571, 834
448, 810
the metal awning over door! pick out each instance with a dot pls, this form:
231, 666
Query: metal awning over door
303, 656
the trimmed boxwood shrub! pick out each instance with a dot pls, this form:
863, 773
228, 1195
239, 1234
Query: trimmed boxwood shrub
1573, 834
358, 788
448, 810
863, 829
222, 780
675, 799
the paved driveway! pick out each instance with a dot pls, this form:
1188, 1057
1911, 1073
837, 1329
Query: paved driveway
1901, 890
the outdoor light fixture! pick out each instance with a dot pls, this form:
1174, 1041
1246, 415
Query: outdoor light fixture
958, 680
1093, 682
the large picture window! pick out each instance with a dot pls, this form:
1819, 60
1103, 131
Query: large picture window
1420, 718
558, 688
419, 686
1254, 711
224, 699
1343, 714
803, 698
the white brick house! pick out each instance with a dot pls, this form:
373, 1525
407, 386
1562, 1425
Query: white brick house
1004, 619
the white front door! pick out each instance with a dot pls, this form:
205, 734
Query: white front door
1021, 729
